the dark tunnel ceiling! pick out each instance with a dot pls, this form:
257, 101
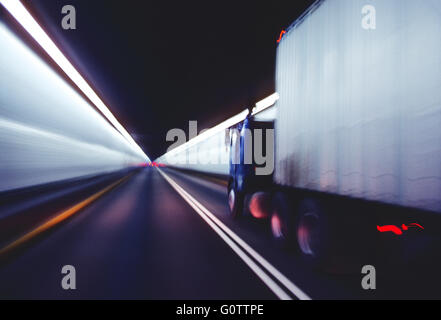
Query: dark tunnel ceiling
160, 64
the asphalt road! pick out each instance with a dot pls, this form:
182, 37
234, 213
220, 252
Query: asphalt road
143, 240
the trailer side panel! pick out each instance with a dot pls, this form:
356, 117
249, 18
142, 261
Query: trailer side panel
359, 112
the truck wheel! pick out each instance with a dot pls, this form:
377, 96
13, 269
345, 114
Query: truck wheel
337, 243
315, 236
283, 221
235, 202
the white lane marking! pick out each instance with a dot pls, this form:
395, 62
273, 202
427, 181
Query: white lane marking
210, 218
274, 287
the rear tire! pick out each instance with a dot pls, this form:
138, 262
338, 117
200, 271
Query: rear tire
283, 221
333, 236
315, 234
235, 202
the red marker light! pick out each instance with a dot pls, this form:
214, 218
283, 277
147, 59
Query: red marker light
393, 229
416, 225
281, 36
396, 230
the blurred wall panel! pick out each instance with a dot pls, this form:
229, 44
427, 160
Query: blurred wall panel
48, 132
209, 156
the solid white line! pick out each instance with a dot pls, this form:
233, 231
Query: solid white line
272, 285
226, 231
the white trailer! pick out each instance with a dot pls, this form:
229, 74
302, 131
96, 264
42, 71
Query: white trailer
360, 110
359, 113
357, 126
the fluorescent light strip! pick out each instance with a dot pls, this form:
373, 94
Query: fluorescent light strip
260, 106
265, 103
211, 219
209, 133
19, 12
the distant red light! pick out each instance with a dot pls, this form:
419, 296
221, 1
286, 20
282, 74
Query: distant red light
155, 164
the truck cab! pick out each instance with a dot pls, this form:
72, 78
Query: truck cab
244, 179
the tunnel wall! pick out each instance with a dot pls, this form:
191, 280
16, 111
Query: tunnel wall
48, 131
360, 110
212, 154
208, 156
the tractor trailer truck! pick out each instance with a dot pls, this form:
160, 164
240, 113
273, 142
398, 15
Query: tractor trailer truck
357, 128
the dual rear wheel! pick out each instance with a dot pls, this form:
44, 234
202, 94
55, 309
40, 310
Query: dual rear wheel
305, 226
330, 235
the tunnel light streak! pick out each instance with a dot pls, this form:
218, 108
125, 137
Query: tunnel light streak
202, 147
241, 248
48, 131
19, 12
13, 126
209, 133
260, 106
265, 103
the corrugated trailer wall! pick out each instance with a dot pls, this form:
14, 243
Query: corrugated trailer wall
360, 110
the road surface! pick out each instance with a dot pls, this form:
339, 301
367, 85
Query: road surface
146, 240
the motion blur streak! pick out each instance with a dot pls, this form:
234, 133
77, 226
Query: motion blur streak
227, 235
208, 133
48, 131
19, 12
212, 147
